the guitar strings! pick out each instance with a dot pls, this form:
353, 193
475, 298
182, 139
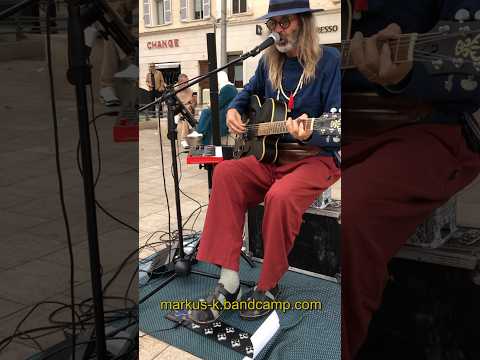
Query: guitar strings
422, 56
441, 36
425, 55
422, 38
316, 126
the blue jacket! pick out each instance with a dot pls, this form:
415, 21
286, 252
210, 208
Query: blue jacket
314, 98
415, 16
226, 95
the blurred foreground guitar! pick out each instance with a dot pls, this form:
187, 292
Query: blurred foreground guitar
266, 123
451, 49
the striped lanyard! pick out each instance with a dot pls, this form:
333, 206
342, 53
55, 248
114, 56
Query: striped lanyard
291, 97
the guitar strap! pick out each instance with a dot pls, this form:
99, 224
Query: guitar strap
293, 152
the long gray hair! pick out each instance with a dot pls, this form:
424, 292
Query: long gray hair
309, 52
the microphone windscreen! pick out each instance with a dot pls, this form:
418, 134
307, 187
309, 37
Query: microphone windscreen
275, 36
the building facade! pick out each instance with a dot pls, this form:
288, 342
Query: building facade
172, 34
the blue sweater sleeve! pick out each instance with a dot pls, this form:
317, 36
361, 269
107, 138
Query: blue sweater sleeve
441, 88
256, 86
331, 93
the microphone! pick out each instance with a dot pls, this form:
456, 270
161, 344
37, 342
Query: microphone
273, 38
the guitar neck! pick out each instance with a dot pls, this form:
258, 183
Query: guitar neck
402, 50
280, 127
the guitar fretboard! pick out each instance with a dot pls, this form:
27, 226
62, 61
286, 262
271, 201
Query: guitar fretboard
322, 125
402, 50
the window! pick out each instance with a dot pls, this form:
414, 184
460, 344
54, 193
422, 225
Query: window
163, 11
239, 6
194, 9
160, 12
146, 12
235, 72
197, 9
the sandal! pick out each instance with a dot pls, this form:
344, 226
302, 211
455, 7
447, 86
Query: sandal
218, 297
260, 296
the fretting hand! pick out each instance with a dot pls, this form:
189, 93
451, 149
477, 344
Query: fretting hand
377, 65
298, 128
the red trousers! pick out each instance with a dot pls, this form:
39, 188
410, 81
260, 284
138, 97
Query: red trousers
287, 191
390, 184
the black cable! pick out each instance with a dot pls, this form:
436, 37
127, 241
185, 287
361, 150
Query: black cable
106, 212
124, 262
97, 138
99, 160
100, 206
134, 275
59, 173
6, 341
160, 330
184, 194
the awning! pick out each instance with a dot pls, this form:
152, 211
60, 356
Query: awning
168, 65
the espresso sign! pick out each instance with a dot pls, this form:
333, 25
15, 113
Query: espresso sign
327, 29
162, 44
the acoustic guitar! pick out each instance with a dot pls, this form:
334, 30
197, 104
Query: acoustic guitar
266, 123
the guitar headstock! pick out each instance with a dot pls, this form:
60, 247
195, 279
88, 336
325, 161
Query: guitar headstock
452, 47
334, 115
330, 123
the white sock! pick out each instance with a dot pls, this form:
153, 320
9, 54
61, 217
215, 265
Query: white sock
230, 280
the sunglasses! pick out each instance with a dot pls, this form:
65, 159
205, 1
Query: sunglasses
284, 23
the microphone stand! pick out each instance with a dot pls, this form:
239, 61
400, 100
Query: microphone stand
182, 264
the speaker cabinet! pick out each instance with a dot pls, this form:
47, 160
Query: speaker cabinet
317, 246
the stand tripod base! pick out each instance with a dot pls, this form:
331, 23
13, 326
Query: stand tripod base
174, 275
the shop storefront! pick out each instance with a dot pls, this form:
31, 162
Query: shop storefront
185, 50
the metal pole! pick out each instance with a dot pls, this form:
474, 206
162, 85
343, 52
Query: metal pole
79, 75
223, 42
212, 65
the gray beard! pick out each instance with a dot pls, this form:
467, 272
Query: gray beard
285, 48
290, 45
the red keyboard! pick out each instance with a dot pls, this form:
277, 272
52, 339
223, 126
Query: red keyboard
208, 154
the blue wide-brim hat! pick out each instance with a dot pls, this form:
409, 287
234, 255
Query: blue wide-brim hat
288, 7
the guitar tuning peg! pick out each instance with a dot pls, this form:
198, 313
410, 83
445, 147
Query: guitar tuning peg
477, 15
469, 84
462, 15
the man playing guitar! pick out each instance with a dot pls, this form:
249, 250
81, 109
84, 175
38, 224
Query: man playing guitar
392, 181
306, 76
